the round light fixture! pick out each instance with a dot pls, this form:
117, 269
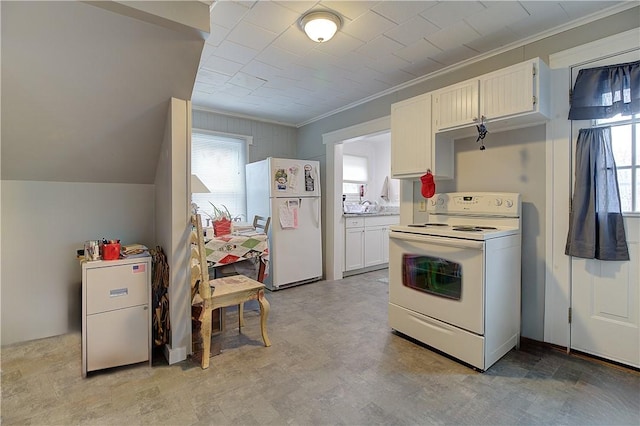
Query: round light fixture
320, 26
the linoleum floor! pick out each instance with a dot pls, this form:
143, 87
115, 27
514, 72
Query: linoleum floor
333, 361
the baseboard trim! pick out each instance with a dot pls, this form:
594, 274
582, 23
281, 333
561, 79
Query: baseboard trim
174, 355
531, 343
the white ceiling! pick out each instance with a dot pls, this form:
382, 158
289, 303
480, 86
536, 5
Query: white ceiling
258, 63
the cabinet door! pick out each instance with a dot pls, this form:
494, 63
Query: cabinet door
456, 105
385, 245
373, 245
117, 337
508, 91
354, 249
411, 137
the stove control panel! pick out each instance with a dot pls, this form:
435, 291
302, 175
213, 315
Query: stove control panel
480, 203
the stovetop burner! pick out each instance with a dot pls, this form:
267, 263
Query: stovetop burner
424, 225
473, 228
467, 229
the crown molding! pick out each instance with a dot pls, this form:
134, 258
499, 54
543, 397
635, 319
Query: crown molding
520, 43
551, 32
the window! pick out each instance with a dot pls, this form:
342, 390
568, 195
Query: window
625, 136
355, 172
219, 161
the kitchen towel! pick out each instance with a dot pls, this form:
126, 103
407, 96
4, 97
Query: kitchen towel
385, 189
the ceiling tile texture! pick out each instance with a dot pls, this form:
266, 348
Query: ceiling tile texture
257, 62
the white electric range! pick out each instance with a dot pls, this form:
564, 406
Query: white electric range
454, 281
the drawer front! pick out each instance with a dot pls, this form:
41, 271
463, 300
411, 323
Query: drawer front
382, 220
354, 222
117, 287
118, 337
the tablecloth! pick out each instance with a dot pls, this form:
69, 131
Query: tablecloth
227, 249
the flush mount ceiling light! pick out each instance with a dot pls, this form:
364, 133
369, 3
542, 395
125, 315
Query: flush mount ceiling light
320, 26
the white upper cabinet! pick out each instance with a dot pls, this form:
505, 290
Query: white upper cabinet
508, 91
456, 105
410, 136
516, 96
413, 149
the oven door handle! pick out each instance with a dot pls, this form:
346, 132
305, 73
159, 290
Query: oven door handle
448, 242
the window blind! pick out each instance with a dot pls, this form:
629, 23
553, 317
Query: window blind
219, 161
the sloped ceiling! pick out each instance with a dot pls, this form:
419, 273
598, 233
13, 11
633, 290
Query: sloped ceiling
85, 90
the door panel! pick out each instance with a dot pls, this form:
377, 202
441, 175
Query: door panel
605, 295
605, 299
467, 311
296, 253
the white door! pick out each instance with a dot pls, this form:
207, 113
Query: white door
354, 249
296, 248
605, 295
422, 270
294, 178
374, 240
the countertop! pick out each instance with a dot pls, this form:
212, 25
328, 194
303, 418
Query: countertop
383, 213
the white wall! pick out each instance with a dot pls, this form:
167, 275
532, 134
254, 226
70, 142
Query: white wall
269, 139
378, 152
513, 161
172, 221
383, 169
43, 224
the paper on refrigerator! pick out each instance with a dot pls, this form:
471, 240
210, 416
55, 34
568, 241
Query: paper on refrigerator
289, 214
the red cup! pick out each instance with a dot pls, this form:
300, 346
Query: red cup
111, 251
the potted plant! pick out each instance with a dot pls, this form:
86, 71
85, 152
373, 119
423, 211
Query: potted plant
221, 219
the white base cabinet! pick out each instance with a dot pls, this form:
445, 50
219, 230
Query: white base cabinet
367, 241
116, 320
354, 246
374, 243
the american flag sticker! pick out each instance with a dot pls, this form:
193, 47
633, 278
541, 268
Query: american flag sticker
138, 268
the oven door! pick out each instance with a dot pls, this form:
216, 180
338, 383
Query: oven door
440, 277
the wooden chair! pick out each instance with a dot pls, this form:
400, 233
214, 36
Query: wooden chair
261, 223
220, 293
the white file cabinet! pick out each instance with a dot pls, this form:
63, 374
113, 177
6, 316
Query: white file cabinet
116, 320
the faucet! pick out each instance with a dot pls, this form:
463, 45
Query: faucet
369, 206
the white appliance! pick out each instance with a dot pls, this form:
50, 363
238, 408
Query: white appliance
116, 320
454, 282
288, 191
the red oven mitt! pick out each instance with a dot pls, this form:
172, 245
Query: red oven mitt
428, 185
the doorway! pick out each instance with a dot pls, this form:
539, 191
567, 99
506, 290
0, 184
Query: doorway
562, 276
334, 220
605, 295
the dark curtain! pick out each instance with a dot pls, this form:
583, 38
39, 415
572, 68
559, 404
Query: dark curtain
596, 227
603, 92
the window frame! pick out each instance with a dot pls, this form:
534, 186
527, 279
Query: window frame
248, 142
347, 183
634, 167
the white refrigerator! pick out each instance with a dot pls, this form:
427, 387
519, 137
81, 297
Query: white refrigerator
288, 191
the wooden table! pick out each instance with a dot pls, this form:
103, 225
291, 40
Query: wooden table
231, 291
